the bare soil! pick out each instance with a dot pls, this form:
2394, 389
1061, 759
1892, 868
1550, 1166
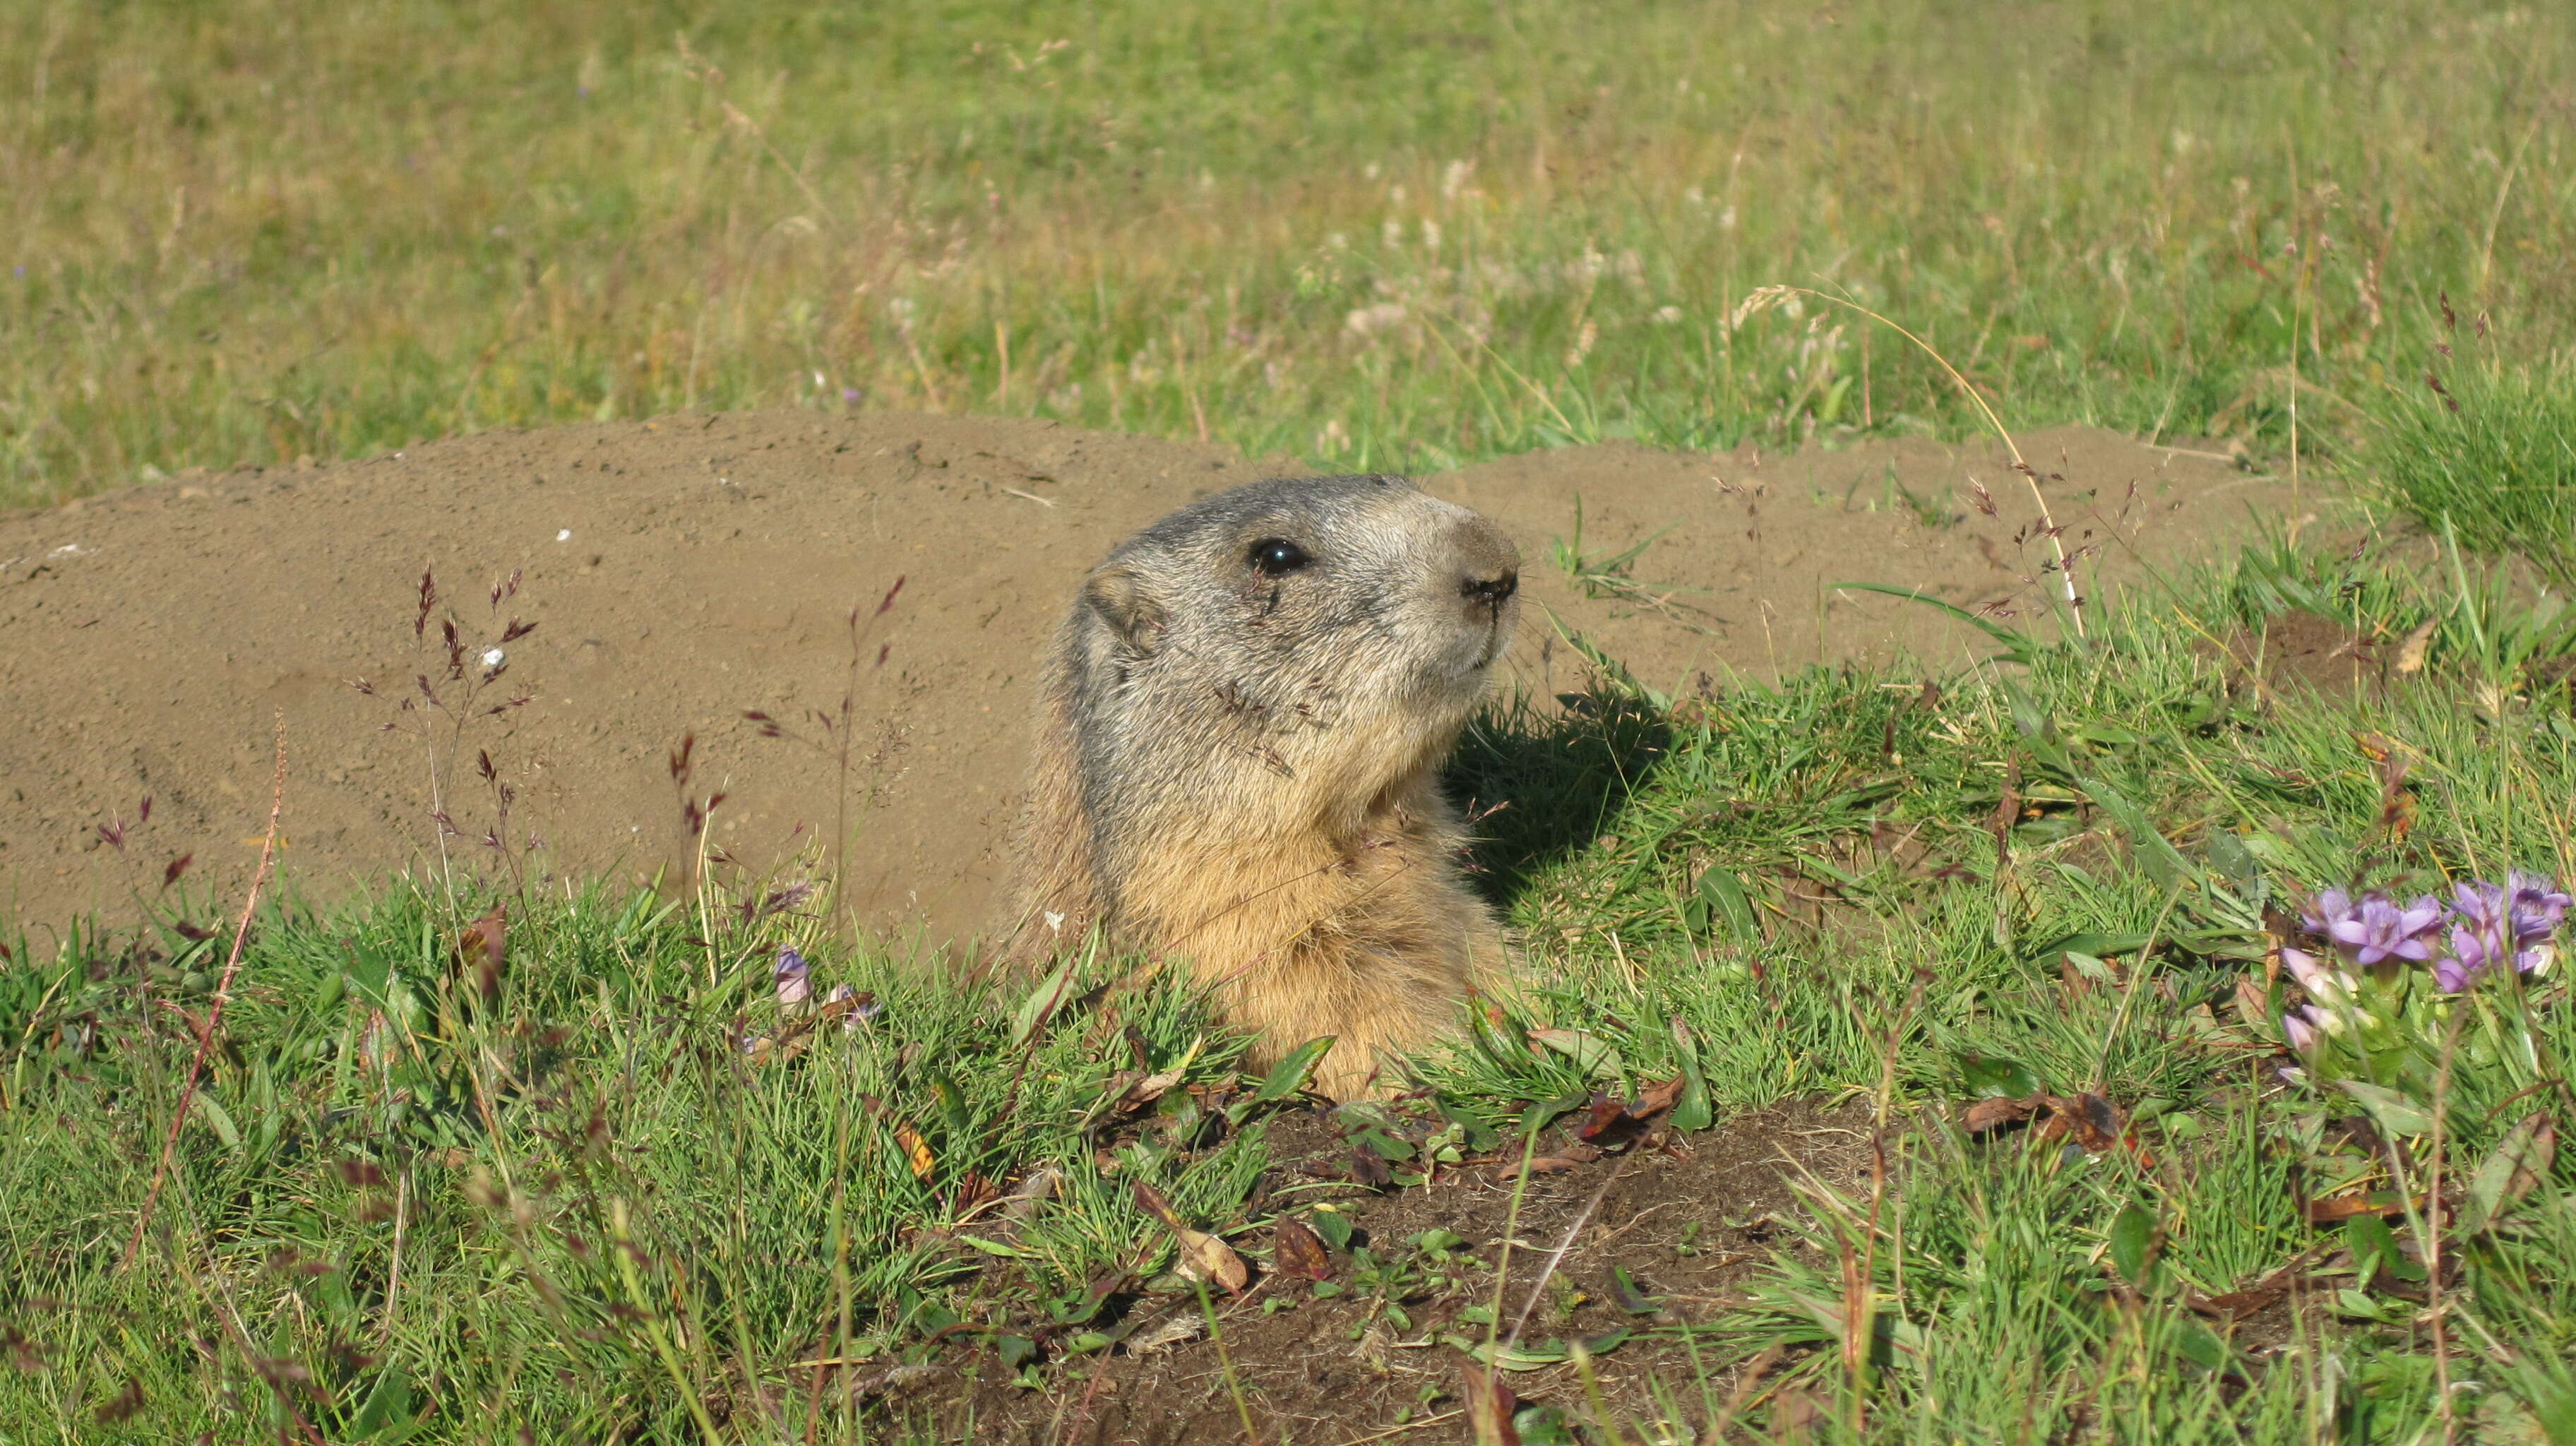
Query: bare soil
684, 571
1687, 1225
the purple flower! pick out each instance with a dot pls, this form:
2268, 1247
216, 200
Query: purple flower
2477, 944
2518, 918
2536, 908
2478, 902
2304, 1026
863, 1007
795, 986
2329, 908
2328, 987
2377, 929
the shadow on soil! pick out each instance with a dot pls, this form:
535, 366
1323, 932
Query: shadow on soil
1537, 787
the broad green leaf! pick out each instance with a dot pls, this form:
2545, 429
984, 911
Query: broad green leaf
2392, 1112
2197, 1344
1043, 1001
222, 1123
1993, 1075
2132, 1232
1723, 903
1590, 1052
1289, 1075
1335, 1227
2519, 1163
388, 1405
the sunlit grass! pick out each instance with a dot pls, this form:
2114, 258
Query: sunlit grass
1370, 237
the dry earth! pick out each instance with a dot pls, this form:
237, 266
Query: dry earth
683, 571
1688, 1224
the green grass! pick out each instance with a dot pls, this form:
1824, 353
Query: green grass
1364, 236
611, 1224
2485, 450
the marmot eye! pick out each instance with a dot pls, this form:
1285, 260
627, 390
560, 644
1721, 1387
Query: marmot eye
1277, 557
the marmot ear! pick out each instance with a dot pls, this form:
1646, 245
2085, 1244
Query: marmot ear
1118, 595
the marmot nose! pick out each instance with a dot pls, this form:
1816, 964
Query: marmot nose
1489, 589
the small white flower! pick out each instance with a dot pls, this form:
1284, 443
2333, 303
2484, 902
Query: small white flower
564, 535
1055, 922
492, 657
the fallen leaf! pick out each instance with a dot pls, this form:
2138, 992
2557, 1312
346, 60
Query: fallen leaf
1369, 1168
1994, 1114
2252, 1005
2410, 654
2382, 1203
484, 948
1298, 1252
1025, 1198
1489, 1405
1204, 1258
2236, 1303
1657, 1098
2088, 1119
916, 1152
1604, 1113
1794, 1414
1167, 1333
1151, 1201
1568, 1158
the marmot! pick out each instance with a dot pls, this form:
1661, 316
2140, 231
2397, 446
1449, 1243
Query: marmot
1238, 758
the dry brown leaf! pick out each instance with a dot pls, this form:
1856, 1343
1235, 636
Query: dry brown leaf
2410, 654
1040, 1186
2252, 1004
1145, 1091
1208, 1259
1369, 1168
1489, 1405
2370, 1202
916, 1152
1660, 1097
1164, 1334
484, 949
2236, 1303
1794, 1414
1203, 1256
1298, 1252
1994, 1114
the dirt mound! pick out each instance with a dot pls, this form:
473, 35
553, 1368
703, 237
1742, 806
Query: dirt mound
685, 571
1684, 1229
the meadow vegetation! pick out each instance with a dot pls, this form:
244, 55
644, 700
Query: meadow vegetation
633, 1186
485, 1162
1367, 237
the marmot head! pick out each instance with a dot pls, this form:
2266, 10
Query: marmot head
1331, 635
